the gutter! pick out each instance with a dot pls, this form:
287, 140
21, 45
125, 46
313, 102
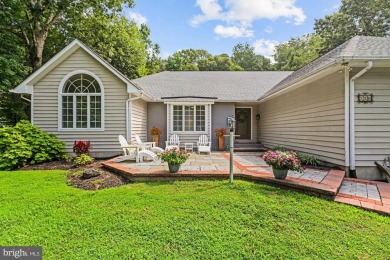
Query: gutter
352, 160
128, 115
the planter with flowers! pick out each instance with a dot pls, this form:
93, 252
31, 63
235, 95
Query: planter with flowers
282, 161
221, 139
174, 158
155, 133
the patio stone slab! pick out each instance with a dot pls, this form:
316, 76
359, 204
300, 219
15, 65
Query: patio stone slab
190, 168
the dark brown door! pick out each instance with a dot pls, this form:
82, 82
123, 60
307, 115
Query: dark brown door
243, 123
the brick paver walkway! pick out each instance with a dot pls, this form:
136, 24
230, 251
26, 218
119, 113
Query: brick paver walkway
331, 184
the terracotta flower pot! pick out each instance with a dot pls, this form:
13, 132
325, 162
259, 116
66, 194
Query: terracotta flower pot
221, 143
156, 140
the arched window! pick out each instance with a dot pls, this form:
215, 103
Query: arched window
81, 101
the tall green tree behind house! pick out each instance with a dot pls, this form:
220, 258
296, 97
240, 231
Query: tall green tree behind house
297, 52
32, 21
185, 60
244, 56
354, 17
40, 29
13, 71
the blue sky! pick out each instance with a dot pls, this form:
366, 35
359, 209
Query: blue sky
218, 25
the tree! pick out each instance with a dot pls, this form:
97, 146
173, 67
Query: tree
244, 56
12, 72
354, 17
117, 40
220, 62
297, 52
186, 59
31, 21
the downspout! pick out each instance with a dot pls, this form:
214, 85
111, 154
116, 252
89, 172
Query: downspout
346, 113
128, 115
31, 107
352, 163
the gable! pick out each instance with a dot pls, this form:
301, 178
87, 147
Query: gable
26, 87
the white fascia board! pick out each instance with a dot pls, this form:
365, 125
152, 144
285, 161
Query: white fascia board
189, 103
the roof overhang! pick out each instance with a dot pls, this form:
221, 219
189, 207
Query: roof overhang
26, 87
329, 69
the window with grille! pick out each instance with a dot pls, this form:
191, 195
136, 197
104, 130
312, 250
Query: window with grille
189, 118
81, 103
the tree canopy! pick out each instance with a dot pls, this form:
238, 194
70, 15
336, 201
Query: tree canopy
40, 29
354, 17
297, 52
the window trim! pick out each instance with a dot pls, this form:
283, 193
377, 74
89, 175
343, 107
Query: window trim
183, 118
60, 95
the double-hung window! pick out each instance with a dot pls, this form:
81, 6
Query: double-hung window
81, 101
189, 118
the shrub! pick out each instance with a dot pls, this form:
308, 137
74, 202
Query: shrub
309, 159
283, 160
80, 147
174, 157
83, 159
25, 143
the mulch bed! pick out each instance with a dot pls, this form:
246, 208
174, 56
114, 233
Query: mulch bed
106, 179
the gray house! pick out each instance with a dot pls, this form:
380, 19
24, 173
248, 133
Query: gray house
336, 107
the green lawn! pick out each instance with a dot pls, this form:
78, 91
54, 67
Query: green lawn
200, 219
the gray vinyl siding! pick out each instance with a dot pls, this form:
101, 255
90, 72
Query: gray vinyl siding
220, 113
157, 116
139, 114
372, 120
45, 98
309, 119
191, 137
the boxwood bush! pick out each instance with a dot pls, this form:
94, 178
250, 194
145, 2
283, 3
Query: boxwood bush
27, 144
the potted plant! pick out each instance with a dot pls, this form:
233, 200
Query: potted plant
282, 161
174, 158
156, 132
220, 132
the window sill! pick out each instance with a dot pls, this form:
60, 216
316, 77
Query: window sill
81, 129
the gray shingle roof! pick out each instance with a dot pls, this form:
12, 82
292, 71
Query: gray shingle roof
254, 85
223, 85
357, 47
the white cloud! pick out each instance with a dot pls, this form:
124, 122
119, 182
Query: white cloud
137, 18
242, 13
233, 31
265, 48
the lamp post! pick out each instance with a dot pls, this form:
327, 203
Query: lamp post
232, 124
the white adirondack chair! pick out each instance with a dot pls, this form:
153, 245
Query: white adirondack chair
204, 145
134, 151
172, 143
148, 145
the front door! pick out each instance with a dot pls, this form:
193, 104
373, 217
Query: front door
243, 123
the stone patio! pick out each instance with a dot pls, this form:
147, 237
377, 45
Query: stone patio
329, 184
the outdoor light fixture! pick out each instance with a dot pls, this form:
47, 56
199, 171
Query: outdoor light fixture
258, 117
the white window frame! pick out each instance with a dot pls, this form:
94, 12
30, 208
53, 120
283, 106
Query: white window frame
183, 118
61, 94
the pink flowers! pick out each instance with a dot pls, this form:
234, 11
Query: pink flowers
283, 160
